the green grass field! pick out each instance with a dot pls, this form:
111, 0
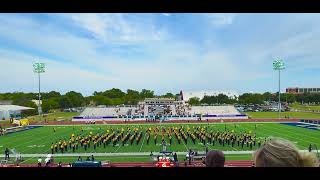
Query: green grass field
57, 116
39, 140
304, 107
302, 115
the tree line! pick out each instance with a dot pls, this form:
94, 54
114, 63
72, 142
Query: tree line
54, 100
257, 98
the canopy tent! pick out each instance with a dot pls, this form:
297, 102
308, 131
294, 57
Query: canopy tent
7, 110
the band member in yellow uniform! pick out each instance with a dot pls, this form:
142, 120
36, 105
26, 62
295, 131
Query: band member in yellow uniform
52, 148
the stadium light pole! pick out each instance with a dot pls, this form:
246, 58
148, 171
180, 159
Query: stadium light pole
39, 68
278, 65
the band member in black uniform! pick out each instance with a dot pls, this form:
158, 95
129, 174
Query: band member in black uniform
148, 139
56, 147
155, 139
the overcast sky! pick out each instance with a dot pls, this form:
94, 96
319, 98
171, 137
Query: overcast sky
162, 52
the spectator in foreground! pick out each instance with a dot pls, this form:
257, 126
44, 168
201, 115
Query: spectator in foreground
282, 153
215, 159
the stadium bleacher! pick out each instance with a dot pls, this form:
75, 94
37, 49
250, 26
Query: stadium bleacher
171, 111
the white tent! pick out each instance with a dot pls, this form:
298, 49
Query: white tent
6, 110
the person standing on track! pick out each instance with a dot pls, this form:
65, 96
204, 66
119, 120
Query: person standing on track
52, 148
175, 159
310, 148
6, 152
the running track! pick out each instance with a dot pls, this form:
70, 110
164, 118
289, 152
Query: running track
242, 163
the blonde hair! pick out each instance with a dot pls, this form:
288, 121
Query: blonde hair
278, 152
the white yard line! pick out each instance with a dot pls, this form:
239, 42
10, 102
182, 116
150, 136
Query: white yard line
62, 135
297, 133
293, 137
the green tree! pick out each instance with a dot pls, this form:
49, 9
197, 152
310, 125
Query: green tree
132, 97
251, 98
146, 94
267, 96
76, 99
101, 100
50, 104
194, 101
65, 102
114, 93
51, 94
169, 95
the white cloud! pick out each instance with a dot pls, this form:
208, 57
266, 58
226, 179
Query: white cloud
58, 76
117, 28
140, 54
221, 19
93, 23
166, 14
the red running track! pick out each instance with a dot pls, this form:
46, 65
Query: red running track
246, 163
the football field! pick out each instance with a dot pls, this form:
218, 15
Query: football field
39, 140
